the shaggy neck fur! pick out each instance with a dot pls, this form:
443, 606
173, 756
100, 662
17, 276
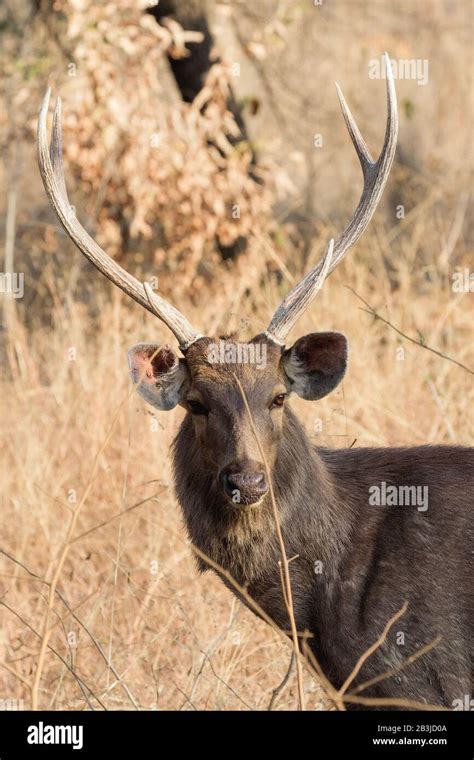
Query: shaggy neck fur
243, 540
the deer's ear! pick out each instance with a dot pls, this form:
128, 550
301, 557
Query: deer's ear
160, 376
315, 364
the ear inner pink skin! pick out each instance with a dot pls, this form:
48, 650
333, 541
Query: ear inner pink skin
158, 374
150, 362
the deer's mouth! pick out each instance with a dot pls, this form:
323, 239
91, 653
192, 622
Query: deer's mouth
244, 502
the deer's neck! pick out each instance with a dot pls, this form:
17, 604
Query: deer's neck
244, 541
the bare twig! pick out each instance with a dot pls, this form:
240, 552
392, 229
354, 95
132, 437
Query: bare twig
362, 659
310, 659
9, 302
393, 671
285, 568
224, 682
370, 310
81, 683
393, 702
276, 691
78, 620
117, 516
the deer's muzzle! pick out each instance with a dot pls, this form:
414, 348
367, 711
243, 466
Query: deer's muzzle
243, 483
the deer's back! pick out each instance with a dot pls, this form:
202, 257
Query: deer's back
420, 553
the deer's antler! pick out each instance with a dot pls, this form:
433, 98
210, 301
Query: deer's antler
375, 175
50, 162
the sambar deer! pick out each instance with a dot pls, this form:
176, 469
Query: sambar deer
334, 507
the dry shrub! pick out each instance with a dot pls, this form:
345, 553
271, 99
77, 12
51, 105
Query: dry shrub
167, 184
155, 180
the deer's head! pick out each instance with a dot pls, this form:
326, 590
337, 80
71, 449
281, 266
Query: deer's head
213, 378
210, 382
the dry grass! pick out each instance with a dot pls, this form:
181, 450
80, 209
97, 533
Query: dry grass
134, 625
178, 640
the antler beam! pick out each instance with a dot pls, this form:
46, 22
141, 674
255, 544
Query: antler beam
375, 174
50, 160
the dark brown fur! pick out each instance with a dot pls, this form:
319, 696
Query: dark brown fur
374, 558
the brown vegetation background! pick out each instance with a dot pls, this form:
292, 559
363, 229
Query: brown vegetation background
168, 187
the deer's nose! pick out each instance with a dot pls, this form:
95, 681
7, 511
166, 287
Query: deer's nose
244, 484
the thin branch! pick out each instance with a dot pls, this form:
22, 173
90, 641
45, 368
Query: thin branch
393, 671
370, 310
185, 696
80, 681
317, 671
393, 702
310, 659
276, 691
286, 580
78, 620
362, 659
224, 682
117, 516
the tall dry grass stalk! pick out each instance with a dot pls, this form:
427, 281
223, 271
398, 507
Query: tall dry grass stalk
173, 639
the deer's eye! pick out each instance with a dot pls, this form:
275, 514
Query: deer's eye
278, 400
195, 407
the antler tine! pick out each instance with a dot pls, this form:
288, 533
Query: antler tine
52, 172
375, 174
299, 298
